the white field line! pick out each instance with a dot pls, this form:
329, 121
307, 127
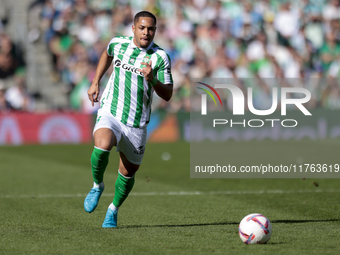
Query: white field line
181, 193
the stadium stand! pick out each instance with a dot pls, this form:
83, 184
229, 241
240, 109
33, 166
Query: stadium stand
63, 39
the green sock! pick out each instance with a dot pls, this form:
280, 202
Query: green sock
99, 161
123, 187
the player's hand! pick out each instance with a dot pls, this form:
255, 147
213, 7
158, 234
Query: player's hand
147, 71
93, 93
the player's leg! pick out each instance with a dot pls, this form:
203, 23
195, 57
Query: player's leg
123, 186
104, 140
125, 180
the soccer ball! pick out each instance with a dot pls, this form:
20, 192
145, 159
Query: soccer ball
255, 229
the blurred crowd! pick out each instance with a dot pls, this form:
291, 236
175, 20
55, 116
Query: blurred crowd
12, 65
295, 42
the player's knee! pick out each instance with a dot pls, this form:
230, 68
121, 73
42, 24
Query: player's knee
103, 143
103, 146
104, 139
127, 168
128, 172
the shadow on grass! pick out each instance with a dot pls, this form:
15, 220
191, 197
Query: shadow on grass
302, 221
222, 223
181, 225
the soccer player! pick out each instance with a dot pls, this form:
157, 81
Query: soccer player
140, 67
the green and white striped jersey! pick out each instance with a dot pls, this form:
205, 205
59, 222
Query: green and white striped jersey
128, 96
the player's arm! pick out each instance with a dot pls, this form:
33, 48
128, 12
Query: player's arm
163, 90
104, 63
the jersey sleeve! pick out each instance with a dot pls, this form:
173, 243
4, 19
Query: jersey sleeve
110, 47
164, 72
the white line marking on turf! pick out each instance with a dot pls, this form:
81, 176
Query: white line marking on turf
181, 193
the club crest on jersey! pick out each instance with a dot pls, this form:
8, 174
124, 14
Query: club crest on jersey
132, 61
129, 68
146, 59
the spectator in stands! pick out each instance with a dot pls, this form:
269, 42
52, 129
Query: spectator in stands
5, 106
88, 33
329, 52
10, 57
1, 27
18, 96
286, 23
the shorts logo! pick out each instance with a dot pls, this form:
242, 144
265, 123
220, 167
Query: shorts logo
168, 70
140, 150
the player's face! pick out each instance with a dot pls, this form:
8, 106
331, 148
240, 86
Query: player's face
144, 31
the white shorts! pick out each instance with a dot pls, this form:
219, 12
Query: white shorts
130, 141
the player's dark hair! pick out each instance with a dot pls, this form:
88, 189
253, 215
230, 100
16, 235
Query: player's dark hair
144, 14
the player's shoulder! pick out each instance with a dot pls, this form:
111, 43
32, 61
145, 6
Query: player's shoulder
160, 52
121, 39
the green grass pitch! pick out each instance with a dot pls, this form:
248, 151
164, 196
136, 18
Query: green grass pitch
42, 190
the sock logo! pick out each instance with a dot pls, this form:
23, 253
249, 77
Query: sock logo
123, 191
96, 167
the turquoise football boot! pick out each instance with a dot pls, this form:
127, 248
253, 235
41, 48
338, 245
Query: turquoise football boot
92, 199
110, 220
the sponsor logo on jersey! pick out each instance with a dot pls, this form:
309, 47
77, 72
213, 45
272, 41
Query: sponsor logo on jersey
118, 63
127, 67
